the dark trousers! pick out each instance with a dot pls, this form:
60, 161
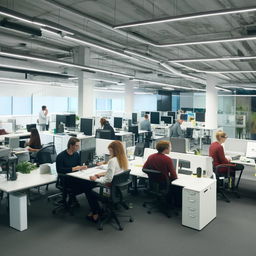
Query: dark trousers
92, 197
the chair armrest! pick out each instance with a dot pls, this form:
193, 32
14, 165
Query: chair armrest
124, 183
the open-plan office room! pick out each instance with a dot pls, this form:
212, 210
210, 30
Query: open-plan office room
127, 127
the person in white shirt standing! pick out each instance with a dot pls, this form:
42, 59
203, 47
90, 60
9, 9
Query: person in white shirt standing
43, 118
118, 163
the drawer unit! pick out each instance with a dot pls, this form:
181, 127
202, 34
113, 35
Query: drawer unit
199, 206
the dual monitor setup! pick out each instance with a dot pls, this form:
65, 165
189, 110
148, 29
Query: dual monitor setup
156, 118
197, 116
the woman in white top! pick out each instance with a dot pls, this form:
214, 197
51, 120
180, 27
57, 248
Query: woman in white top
118, 163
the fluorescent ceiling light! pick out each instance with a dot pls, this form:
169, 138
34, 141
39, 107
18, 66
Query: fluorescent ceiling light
98, 47
143, 93
106, 90
165, 84
73, 78
249, 89
188, 17
168, 88
62, 63
23, 18
213, 59
222, 89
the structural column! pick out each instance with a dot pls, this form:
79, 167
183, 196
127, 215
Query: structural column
129, 98
85, 85
211, 116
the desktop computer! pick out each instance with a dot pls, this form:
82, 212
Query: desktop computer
30, 126
167, 119
118, 122
155, 117
87, 156
86, 126
134, 118
200, 117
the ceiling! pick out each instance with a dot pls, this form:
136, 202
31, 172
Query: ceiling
197, 40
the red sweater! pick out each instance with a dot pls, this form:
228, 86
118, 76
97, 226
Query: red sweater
216, 151
162, 163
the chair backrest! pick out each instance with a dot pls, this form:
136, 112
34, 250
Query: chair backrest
119, 186
47, 154
157, 181
139, 149
189, 133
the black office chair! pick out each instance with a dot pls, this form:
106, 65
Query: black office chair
118, 191
159, 188
189, 133
47, 154
139, 149
226, 182
62, 201
148, 140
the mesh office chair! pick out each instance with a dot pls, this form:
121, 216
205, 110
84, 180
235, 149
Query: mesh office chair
139, 149
159, 188
118, 191
226, 181
148, 140
47, 154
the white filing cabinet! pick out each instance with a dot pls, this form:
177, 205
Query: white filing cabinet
18, 211
199, 205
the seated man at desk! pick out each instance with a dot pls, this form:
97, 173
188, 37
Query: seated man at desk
106, 126
176, 130
69, 161
163, 163
145, 124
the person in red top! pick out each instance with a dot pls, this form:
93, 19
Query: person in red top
160, 162
163, 163
216, 151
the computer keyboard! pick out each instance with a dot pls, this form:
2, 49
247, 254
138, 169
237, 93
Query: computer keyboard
236, 157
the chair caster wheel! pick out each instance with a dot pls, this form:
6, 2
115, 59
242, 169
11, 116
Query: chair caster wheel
121, 229
131, 220
149, 212
100, 228
53, 212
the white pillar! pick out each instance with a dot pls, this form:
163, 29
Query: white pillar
85, 86
129, 98
211, 115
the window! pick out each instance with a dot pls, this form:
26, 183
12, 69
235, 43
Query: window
72, 104
21, 106
6, 105
118, 105
145, 102
103, 104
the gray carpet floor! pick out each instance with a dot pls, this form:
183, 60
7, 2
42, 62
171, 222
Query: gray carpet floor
233, 232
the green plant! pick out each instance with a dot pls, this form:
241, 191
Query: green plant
77, 118
25, 167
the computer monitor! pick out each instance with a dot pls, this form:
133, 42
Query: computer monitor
184, 117
200, 117
173, 114
86, 156
14, 142
70, 120
167, 119
133, 129
154, 117
178, 145
30, 126
60, 119
251, 149
134, 118
103, 134
86, 126
118, 122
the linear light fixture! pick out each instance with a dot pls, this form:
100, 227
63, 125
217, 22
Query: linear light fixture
64, 64
188, 17
107, 81
165, 84
24, 18
97, 46
222, 89
29, 69
143, 93
107, 90
212, 59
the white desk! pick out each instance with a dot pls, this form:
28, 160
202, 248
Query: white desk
24, 182
85, 174
198, 196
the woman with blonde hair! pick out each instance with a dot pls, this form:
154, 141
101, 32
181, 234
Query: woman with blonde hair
117, 163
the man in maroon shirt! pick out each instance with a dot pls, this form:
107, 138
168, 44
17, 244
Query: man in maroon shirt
163, 163
160, 162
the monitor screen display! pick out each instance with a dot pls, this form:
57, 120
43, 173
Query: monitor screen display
184, 117
167, 119
200, 117
86, 126
71, 120
134, 118
154, 117
118, 122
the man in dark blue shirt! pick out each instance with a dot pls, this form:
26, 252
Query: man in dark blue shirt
69, 161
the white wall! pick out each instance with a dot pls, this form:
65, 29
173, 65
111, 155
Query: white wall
144, 102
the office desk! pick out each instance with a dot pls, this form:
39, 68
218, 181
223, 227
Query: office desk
198, 196
23, 182
21, 135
